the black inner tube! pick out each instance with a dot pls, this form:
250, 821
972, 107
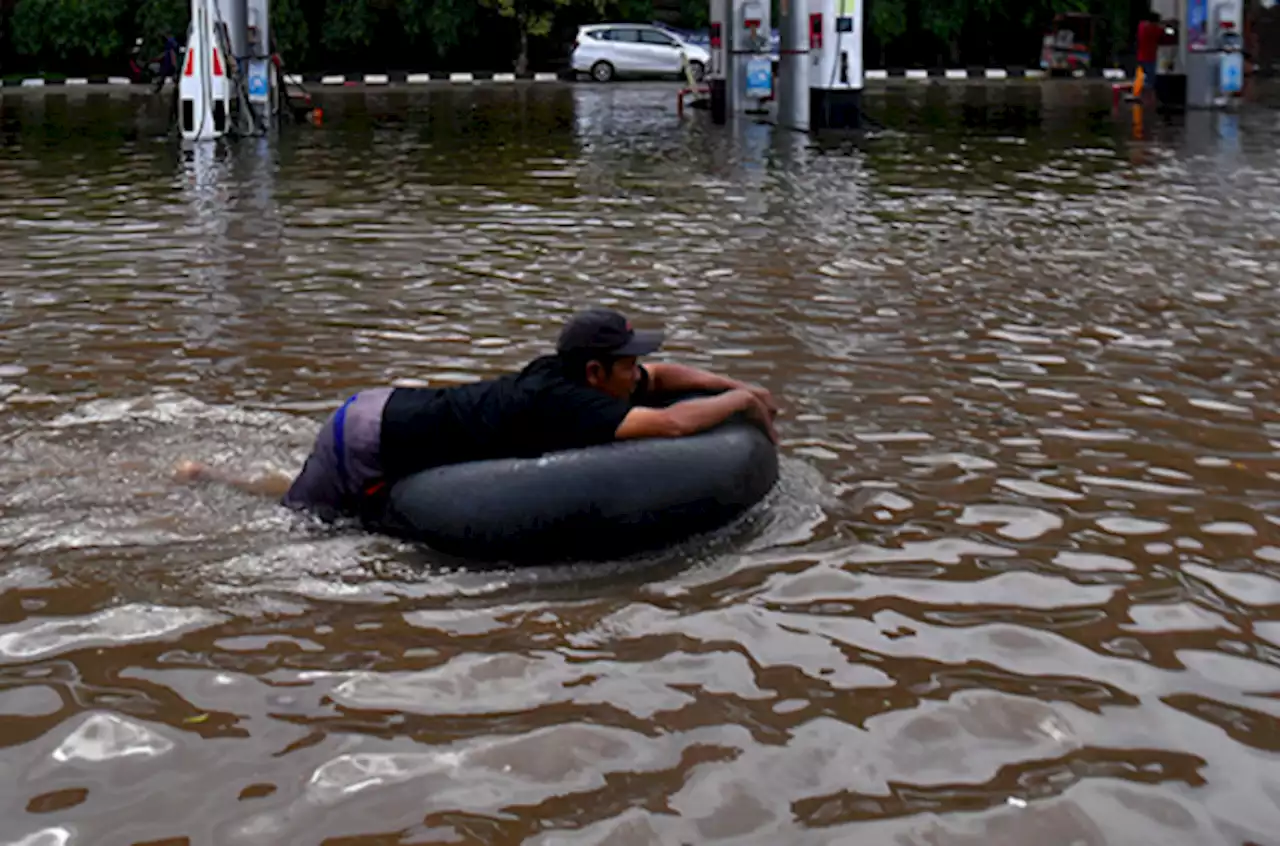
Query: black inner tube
597, 503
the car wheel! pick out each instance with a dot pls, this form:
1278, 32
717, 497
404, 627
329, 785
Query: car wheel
698, 70
602, 71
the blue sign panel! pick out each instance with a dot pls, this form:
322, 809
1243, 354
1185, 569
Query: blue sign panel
759, 77
259, 86
1231, 73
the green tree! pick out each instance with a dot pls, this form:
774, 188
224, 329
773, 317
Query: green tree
79, 35
289, 31
348, 24
532, 18
536, 18
157, 18
6, 40
442, 24
696, 14
68, 31
887, 21
946, 20
629, 10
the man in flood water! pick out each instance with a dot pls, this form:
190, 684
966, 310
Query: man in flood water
592, 391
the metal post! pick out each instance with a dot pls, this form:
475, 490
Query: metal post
793, 87
716, 79
233, 15
732, 60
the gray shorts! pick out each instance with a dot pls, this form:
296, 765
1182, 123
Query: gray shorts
344, 461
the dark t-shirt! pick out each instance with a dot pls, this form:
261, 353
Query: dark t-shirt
520, 415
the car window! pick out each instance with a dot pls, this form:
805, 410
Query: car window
652, 36
631, 35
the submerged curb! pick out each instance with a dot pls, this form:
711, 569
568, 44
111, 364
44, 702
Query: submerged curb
423, 78
1013, 72
472, 77
71, 81
388, 78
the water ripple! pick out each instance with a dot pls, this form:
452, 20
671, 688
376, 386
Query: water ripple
1019, 581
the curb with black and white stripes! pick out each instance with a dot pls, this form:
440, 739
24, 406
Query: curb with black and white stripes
920, 74
923, 74
71, 81
423, 78
319, 79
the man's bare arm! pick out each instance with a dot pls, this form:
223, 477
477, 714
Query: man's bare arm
695, 415
668, 377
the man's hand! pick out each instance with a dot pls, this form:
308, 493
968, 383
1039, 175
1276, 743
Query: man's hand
765, 398
678, 377
762, 415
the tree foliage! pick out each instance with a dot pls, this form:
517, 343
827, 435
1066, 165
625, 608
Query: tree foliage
290, 33
84, 35
443, 24
70, 31
533, 18
155, 19
930, 32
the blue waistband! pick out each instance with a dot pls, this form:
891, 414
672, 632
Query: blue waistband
339, 441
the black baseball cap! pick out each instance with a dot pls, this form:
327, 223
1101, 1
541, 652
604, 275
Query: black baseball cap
601, 330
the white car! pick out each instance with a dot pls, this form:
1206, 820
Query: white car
608, 51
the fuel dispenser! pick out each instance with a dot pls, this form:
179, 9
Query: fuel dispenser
741, 72
259, 77
753, 30
1215, 60
204, 91
836, 68
1200, 62
1227, 21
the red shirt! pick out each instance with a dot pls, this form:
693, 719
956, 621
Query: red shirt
1149, 34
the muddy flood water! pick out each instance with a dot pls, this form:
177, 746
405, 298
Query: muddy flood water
1019, 582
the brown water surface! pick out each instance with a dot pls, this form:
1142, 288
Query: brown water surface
1020, 583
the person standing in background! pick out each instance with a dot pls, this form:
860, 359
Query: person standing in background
1149, 33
